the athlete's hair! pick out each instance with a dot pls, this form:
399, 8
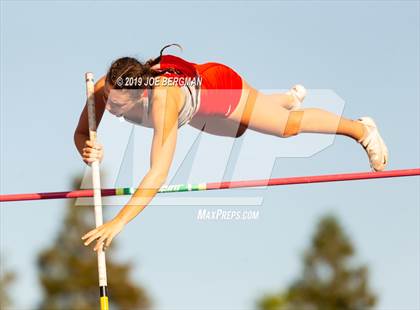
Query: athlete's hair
125, 68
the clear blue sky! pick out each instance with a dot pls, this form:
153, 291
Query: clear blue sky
366, 52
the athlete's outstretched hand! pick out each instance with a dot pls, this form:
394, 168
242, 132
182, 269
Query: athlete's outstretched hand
103, 233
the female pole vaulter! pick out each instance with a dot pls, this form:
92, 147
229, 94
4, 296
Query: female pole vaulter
220, 103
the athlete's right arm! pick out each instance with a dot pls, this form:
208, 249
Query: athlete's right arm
86, 149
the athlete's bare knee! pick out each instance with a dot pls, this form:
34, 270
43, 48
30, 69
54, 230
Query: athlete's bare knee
292, 127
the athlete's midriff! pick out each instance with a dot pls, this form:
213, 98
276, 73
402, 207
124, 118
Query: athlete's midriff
221, 87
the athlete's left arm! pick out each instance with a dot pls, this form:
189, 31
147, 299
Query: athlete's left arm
165, 122
164, 115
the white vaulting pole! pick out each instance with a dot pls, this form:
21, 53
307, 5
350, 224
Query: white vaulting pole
96, 184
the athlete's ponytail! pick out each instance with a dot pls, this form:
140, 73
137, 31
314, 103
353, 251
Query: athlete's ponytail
169, 45
156, 60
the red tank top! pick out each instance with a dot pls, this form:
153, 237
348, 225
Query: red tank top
221, 87
181, 66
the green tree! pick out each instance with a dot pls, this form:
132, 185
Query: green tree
7, 278
68, 271
330, 279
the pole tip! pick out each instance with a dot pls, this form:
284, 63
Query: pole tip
89, 76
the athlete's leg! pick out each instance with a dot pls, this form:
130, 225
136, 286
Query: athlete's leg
263, 113
284, 100
291, 99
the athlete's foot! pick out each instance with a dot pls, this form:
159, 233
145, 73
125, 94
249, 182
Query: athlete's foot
298, 92
374, 145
